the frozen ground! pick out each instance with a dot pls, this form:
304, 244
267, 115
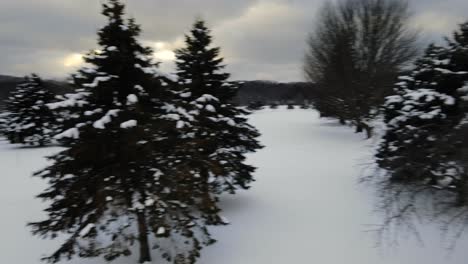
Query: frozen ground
306, 206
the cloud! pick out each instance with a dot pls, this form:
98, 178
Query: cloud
163, 50
267, 39
434, 25
37, 36
73, 60
437, 19
260, 39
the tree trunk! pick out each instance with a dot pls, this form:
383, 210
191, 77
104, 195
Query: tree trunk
359, 127
462, 191
145, 254
368, 130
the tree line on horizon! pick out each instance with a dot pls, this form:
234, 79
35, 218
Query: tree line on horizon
261, 93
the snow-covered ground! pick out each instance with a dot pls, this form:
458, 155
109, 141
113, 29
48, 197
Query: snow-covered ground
306, 206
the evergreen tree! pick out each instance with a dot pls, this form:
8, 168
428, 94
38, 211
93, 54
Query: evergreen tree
420, 144
221, 133
415, 120
199, 65
3, 123
115, 184
460, 141
29, 120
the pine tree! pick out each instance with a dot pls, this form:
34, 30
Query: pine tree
457, 84
425, 149
459, 140
114, 184
3, 123
221, 133
422, 119
199, 65
409, 138
29, 121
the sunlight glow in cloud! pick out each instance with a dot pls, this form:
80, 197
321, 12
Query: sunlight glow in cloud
164, 55
258, 38
437, 22
73, 60
163, 51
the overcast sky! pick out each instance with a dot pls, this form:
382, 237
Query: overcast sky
260, 39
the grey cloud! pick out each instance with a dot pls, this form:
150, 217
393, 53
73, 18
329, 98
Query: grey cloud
269, 39
260, 39
168, 19
40, 33
438, 18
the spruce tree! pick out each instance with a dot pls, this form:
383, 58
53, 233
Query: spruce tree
29, 121
415, 120
222, 136
460, 140
420, 145
114, 184
3, 123
199, 66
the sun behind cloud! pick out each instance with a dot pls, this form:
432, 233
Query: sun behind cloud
163, 51
164, 55
73, 60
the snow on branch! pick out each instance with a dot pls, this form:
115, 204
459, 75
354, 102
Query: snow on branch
70, 133
132, 99
207, 98
72, 100
128, 124
100, 124
97, 80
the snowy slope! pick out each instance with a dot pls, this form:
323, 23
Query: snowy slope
306, 206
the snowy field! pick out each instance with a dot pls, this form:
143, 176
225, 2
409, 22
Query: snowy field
306, 206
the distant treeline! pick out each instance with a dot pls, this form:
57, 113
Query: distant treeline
268, 93
263, 92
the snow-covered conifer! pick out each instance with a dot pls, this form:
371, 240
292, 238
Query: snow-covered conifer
424, 115
222, 136
3, 122
29, 121
114, 184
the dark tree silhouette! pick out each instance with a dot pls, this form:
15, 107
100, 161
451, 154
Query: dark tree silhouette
28, 119
355, 54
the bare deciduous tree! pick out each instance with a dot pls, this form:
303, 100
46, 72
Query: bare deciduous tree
355, 54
